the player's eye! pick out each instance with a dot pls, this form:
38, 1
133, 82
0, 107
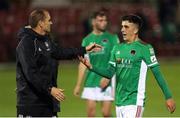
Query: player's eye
126, 26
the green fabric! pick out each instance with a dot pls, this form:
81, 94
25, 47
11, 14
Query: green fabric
130, 62
105, 72
162, 83
101, 58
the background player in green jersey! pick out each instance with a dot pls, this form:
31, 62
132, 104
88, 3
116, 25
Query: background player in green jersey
92, 91
130, 60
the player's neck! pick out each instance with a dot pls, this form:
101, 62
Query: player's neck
39, 31
133, 39
97, 32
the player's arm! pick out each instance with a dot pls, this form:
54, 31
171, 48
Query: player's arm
110, 70
58, 52
81, 72
105, 72
151, 61
164, 87
161, 82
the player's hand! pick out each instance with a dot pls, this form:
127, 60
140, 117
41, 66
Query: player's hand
58, 93
93, 48
170, 103
77, 91
104, 83
85, 62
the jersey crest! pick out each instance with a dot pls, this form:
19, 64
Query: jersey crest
105, 40
133, 52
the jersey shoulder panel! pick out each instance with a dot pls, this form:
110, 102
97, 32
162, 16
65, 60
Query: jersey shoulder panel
116, 46
144, 44
86, 39
113, 35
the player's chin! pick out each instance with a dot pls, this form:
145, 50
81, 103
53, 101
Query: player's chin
124, 38
103, 29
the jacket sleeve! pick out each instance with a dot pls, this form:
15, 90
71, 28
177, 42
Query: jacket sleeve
66, 53
161, 82
26, 56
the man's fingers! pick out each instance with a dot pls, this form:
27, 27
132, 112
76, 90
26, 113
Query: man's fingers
60, 93
60, 97
80, 58
171, 105
76, 94
98, 46
96, 49
62, 90
91, 47
171, 108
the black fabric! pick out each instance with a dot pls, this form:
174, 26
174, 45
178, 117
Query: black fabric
36, 70
40, 111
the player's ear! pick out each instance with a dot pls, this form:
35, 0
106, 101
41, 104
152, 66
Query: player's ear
135, 31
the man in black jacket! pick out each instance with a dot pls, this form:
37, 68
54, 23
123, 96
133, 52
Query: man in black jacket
37, 93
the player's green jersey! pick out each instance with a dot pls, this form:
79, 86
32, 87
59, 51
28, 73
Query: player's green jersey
101, 58
130, 62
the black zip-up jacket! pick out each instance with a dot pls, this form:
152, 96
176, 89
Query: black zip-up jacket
35, 72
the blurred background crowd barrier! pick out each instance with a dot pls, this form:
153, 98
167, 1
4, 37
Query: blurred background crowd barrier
71, 21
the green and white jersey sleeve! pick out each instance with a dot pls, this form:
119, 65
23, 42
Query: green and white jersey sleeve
149, 56
112, 60
151, 61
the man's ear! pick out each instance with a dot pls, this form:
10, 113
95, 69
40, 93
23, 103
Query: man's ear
40, 23
135, 31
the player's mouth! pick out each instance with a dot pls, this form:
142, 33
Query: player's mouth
124, 36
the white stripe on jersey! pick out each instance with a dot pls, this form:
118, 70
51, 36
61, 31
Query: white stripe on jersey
141, 84
113, 63
152, 64
113, 84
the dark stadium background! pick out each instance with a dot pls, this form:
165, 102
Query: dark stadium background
71, 23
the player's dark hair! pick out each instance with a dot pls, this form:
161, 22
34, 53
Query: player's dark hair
36, 16
100, 13
132, 18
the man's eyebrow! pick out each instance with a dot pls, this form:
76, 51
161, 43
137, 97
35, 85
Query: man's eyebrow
124, 26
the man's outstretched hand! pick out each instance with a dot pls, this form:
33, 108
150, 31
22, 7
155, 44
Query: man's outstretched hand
93, 47
85, 62
58, 93
170, 103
